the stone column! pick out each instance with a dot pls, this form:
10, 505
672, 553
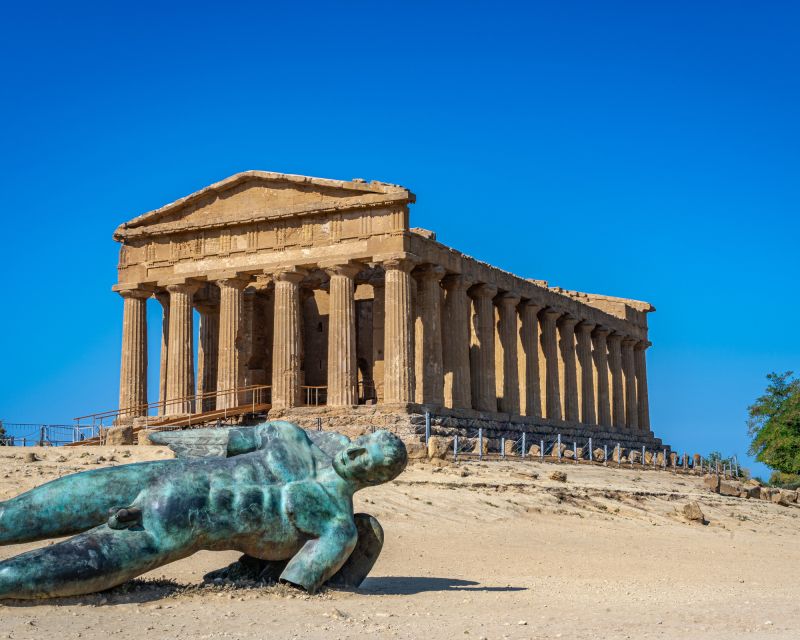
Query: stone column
529, 341
642, 400
378, 361
429, 298
507, 332
600, 358
482, 364
342, 366
180, 371
455, 343
629, 377
549, 364
586, 391
567, 368
231, 342
163, 299
286, 347
398, 384
133, 364
617, 387
207, 356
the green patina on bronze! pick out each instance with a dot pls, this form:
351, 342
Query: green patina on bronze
280, 495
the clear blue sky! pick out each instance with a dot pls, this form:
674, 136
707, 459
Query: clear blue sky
640, 149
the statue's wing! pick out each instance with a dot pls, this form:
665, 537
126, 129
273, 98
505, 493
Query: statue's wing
194, 443
329, 442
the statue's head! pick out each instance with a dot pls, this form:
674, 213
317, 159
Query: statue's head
372, 459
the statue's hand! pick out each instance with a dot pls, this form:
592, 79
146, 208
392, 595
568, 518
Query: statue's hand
125, 518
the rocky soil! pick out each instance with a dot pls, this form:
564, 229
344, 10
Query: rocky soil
480, 550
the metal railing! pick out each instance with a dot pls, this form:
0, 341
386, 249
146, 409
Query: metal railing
38, 435
314, 396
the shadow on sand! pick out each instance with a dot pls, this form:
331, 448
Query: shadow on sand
408, 585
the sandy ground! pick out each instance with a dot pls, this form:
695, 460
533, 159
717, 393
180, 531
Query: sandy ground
479, 550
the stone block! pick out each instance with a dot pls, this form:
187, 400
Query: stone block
696, 460
143, 437
648, 457
617, 454
481, 446
439, 447
635, 457
535, 451
122, 435
730, 488
509, 447
598, 454
660, 459
749, 491
558, 476
569, 454
766, 493
693, 512
673, 459
790, 497
711, 482
416, 451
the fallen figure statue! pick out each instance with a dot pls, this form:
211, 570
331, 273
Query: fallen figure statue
280, 495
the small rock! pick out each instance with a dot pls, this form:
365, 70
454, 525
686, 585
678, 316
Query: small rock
558, 476
711, 482
693, 512
30, 456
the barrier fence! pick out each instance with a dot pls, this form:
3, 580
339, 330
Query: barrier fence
39, 435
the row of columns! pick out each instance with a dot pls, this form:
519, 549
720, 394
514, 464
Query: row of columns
551, 364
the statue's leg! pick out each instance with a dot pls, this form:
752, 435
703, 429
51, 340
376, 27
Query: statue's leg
368, 548
73, 503
93, 561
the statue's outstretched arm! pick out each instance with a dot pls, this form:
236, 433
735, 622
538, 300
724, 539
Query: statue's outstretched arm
321, 557
220, 442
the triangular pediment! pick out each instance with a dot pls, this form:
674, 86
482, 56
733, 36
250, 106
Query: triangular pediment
258, 195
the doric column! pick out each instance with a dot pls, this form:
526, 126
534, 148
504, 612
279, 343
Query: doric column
163, 299
586, 392
133, 364
231, 342
529, 341
342, 366
482, 364
567, 368
180, 371
398, 384
455, 343
286, 347
642, 399
600, 358
378, 333
507, 333
617, 386
207, 356
549, 364
629, 376
429, 299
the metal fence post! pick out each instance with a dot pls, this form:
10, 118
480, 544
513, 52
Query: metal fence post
619, 456
427, 426
591, 453
480, 443
455, 448
736, 462
523, 444
605, 455
643, 452
559, 447
541, 450
575, 451
502, 447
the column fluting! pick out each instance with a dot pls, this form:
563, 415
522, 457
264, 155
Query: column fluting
398, 384
207, 356
133, 363
429, 300
342, 372
482, 362
642, 399
286, 337
586, 389
629, 377
551, 388
614, 342
507, 329
231, 342
455, 343
180, 370
567, 368
529, 342
600, 360
163, 299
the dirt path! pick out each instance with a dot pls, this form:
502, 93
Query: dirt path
480, 550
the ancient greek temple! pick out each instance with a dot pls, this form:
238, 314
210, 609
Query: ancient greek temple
318, 295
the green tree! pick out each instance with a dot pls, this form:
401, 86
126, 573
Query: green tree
774, 424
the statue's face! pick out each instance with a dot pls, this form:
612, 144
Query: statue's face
372, 459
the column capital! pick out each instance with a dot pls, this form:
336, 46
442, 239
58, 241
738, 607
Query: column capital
431, 272
232, 282
137, 293
568, 321
627, 341
614, 337
550, 313
187, 287
289, 274
482, 290
401, 261
585, 326
347, 268
531, 305
642, 345
456, 282
601, 332
507, 299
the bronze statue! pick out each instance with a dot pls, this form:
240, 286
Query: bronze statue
278, 494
